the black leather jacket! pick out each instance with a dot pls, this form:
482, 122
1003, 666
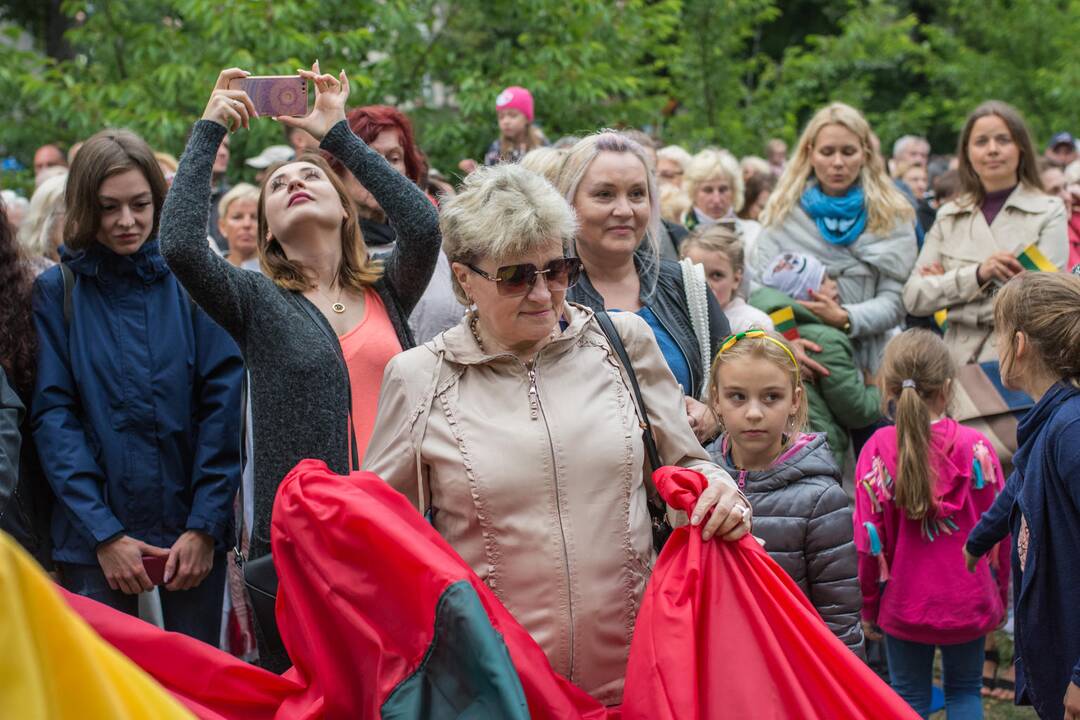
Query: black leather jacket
662, 291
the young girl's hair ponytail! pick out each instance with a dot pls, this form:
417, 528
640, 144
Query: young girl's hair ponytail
916, 369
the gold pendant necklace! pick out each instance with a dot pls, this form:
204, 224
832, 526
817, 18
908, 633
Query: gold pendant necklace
338, 307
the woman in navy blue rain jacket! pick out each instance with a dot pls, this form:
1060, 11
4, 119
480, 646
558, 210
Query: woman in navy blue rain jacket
136, 411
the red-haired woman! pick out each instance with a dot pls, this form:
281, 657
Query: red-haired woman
388, 131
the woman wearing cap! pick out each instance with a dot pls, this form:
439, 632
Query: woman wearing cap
974, 244
836, 203
484, 428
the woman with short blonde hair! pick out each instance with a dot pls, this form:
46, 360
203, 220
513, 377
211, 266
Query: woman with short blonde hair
836, 202
714, 184
42, 232
238, 222
544, 161
671, 162
520, 382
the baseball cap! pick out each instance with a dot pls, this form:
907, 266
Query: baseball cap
1062, 138
269, 156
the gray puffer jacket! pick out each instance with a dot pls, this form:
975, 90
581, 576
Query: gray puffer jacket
803, 515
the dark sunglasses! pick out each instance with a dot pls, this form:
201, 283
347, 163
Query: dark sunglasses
510, 280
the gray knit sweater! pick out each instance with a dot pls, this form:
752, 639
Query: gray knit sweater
299, 384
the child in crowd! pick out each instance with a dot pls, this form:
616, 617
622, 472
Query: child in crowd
517, 134
1037, 324
800, 510
842, 400
920, 487
720, 250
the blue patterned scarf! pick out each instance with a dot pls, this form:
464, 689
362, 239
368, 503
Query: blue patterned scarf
840, 220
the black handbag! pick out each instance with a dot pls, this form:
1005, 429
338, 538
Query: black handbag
661, 526
260, 576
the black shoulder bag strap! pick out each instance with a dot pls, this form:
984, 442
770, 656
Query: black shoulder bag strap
661, 527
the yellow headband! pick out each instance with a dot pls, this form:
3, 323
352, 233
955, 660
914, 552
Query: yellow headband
730, 340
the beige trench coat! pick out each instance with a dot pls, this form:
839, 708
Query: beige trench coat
535, 477
960, 240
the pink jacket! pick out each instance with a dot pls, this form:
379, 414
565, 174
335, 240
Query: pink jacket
912, 574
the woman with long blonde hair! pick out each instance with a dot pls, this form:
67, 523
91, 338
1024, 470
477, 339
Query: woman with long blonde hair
836, 202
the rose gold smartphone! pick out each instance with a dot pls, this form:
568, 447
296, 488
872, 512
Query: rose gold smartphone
275, 95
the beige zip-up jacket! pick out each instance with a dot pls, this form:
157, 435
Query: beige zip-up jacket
535, 477
960, 240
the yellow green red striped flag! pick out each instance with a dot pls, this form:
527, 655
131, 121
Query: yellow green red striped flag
784, 322
1033, 259
941, 318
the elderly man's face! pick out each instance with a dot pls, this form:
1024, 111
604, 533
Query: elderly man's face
916, 152
48, 156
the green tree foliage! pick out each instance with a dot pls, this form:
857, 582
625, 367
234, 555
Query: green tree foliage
727, 72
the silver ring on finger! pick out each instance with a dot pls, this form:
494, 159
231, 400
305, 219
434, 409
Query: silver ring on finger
744, 511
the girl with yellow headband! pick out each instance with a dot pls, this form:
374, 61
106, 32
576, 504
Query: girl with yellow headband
790, 477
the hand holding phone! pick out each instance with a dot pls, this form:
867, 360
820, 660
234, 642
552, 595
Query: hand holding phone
275, 95
155, 568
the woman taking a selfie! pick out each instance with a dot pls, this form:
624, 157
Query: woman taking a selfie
318, 328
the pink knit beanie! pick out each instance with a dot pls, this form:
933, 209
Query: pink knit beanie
516, 98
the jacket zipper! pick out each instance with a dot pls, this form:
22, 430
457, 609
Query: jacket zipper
538, 411
693, 385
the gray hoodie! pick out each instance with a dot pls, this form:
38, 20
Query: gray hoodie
802, 514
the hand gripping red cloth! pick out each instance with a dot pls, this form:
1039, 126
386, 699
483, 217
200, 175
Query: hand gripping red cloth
724, 632
364, 585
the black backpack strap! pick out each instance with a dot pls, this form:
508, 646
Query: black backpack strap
615, 340
69, 290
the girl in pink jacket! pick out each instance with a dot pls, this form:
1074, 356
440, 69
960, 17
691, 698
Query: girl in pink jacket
921, 487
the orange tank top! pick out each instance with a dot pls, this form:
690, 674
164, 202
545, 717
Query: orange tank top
368, 347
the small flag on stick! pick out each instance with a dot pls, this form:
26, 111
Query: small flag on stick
1033, 259
941, 318
784, 322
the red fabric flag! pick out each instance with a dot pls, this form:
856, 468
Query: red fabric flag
723, 631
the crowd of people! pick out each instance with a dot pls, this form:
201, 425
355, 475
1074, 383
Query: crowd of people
874, 361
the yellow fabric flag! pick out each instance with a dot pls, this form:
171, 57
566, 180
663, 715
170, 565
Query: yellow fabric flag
54, 666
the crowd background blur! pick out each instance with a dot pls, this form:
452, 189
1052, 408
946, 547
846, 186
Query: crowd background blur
713, 183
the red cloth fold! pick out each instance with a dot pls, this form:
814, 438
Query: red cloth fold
723, 631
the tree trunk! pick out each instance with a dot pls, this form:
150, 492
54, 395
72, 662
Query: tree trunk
56, 24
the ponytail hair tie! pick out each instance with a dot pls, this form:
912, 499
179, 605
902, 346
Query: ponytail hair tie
909, 383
